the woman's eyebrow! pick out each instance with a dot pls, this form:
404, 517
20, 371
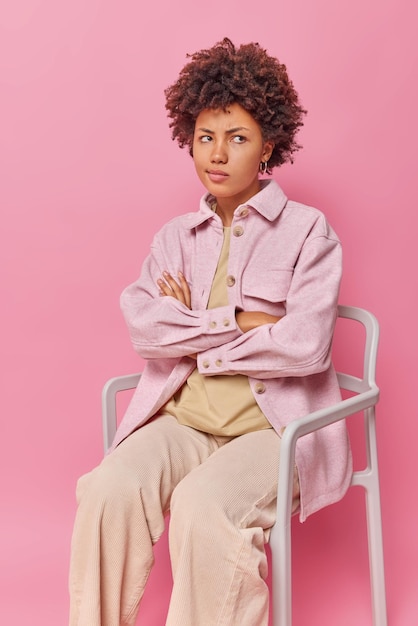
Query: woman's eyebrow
227, 132
237, 129
206, 130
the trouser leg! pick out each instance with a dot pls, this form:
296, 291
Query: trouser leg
221, 513
122, 504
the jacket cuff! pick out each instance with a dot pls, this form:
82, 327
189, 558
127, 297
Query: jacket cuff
219, 320
212, 361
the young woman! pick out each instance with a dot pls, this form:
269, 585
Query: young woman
234, 312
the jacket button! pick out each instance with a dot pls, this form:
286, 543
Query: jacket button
238, 231
260, 388
218, 362
230, 281
226, 322
205, 364
244, 212
212, 324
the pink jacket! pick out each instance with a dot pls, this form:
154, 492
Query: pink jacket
285, 260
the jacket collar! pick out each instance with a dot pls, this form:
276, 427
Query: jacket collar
269, 202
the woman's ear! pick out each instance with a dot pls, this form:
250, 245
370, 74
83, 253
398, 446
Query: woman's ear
268, 150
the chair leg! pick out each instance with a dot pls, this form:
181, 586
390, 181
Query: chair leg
377, 571
282, 574
374, 527
280, 536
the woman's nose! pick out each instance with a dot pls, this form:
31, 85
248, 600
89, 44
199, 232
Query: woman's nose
219, 153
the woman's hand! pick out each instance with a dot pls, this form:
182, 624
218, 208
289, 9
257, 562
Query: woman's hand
247, 320
179, 290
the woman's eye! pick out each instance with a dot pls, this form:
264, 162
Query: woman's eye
206, 139
238, 139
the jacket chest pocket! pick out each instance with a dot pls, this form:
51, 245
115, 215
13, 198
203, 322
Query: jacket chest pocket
266, 291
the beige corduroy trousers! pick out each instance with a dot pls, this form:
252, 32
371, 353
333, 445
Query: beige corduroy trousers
220, 493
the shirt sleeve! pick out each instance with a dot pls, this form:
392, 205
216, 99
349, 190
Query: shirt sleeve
163, 327
300, 343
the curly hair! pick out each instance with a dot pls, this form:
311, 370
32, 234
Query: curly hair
224, 75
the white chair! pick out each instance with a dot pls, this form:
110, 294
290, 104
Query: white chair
365, 397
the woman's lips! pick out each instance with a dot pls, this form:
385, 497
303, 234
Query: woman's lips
217, 176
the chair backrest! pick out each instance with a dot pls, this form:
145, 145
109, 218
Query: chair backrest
371, 326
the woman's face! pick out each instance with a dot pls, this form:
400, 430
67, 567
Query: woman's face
227, 149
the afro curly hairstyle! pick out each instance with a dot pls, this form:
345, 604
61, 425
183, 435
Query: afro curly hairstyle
224, 75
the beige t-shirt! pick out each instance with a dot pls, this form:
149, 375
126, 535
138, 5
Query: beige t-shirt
220, 405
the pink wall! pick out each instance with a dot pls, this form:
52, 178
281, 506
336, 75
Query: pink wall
86, 161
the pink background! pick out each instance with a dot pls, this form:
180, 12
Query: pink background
88, 173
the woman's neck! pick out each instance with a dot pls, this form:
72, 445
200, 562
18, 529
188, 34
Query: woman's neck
225, 207
226, 214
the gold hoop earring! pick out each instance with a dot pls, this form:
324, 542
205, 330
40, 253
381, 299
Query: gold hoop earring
263, 167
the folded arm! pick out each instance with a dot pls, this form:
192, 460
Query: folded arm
299, 344
160, 320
